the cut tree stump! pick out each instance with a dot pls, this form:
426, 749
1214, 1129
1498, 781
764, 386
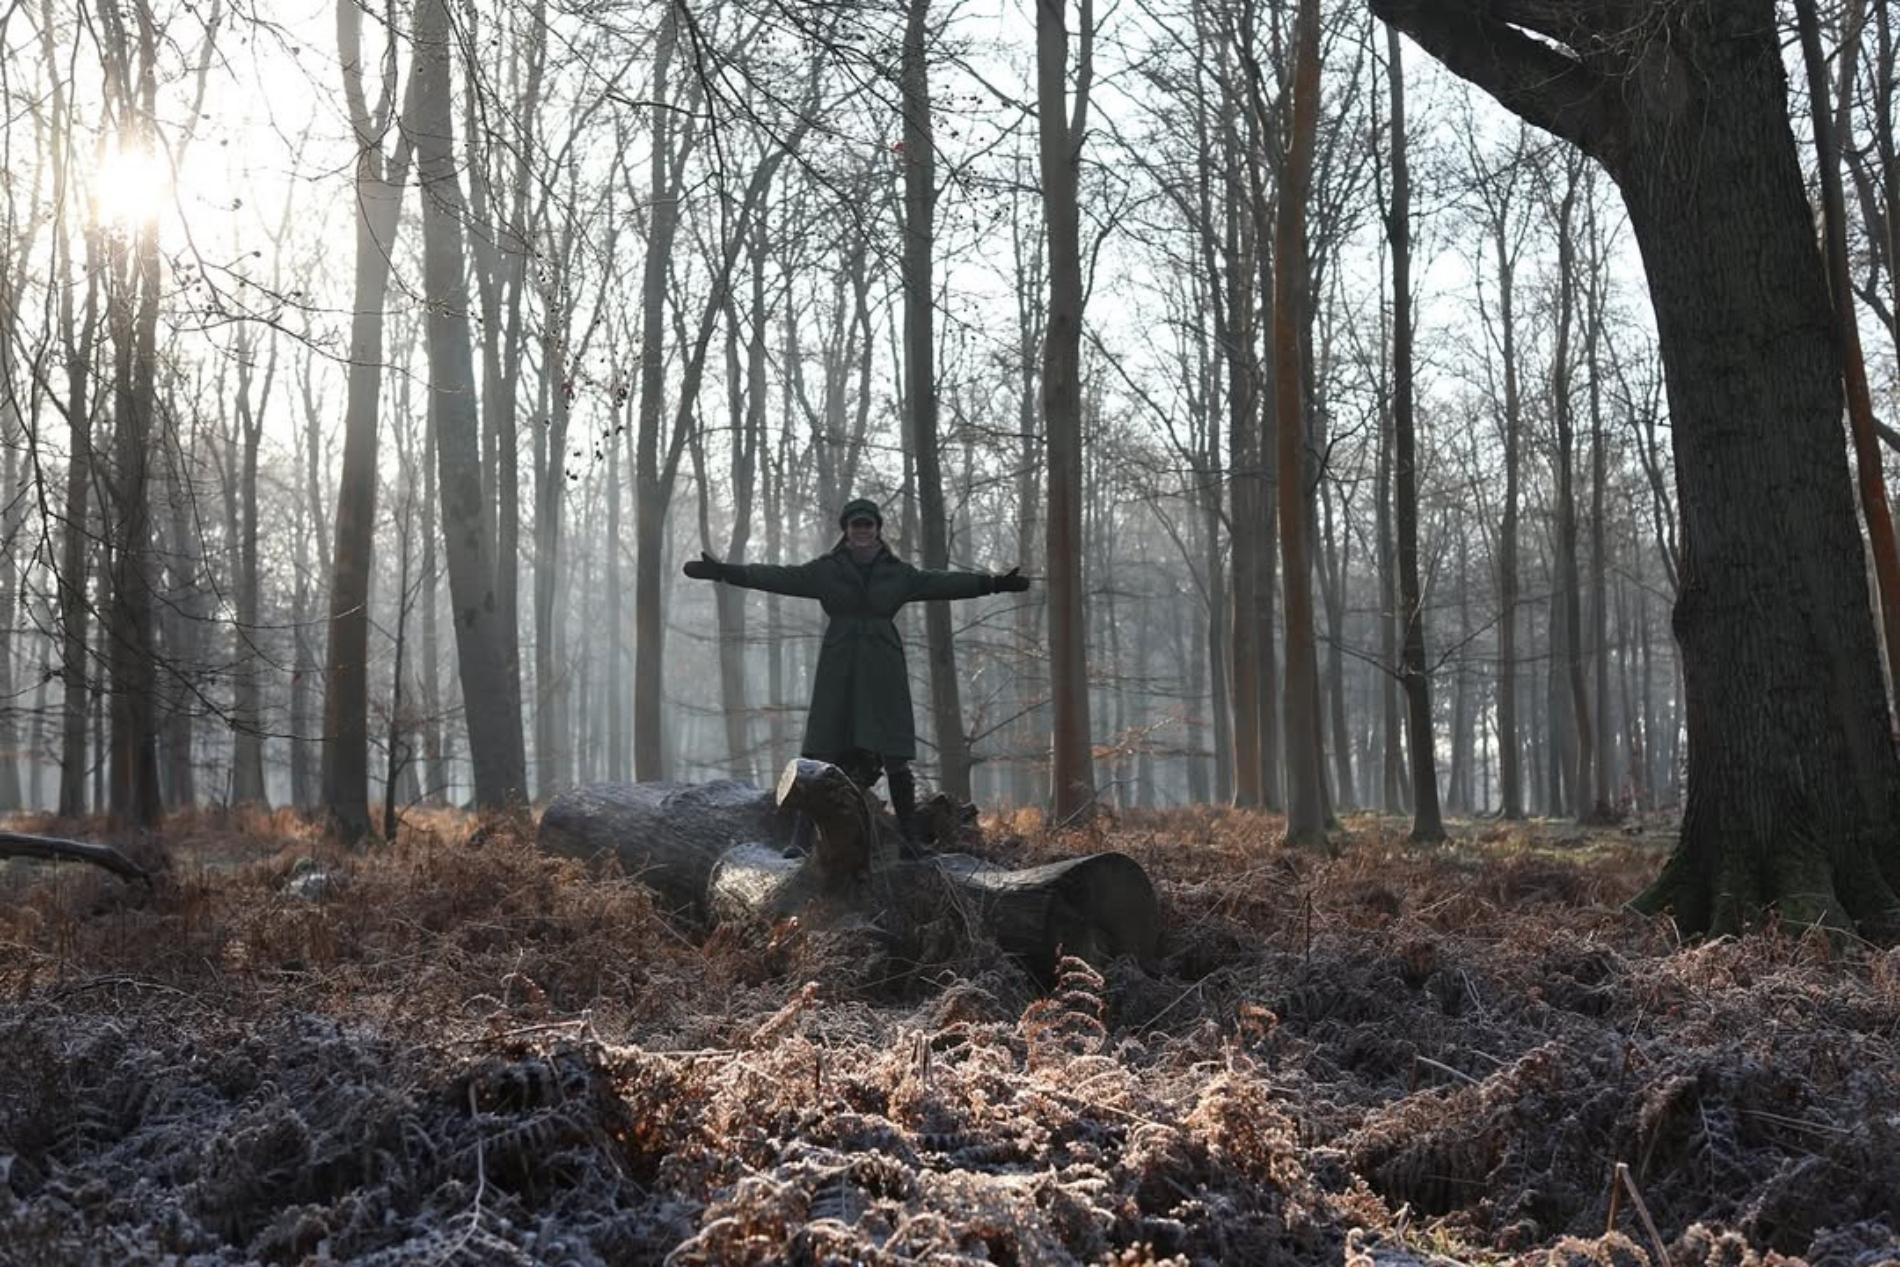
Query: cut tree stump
722, 852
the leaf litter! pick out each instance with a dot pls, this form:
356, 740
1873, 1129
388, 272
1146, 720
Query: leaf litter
461, 1051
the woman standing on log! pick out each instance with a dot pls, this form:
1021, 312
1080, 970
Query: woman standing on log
860, 717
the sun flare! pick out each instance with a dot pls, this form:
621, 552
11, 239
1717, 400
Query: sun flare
131, 186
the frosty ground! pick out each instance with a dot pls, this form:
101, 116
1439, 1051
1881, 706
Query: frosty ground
453, 1049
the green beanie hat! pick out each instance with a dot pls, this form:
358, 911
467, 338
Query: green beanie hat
861, 507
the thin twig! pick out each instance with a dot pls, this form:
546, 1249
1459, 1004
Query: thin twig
1642, 1210
1429, 1063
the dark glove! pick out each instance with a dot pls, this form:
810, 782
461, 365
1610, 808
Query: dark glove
704, 568
1010, 582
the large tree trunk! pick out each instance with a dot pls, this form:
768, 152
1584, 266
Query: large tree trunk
652, 489
1247, 499
1794, 788
1305, 812
133, 614
345, 757
494, 716
1870, 480
76, 539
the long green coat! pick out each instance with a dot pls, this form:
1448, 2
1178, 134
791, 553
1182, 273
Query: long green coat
860, 694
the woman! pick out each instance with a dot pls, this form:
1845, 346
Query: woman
860, 717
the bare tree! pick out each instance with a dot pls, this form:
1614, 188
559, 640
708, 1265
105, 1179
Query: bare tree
1426, 823
1793, 780
1062, 124
920, 378
379, 181
494, 719
1306, 815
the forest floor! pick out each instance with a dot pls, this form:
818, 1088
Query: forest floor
453, 1049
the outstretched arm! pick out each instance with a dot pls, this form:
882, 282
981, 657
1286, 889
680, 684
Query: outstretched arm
799, 581
928, 584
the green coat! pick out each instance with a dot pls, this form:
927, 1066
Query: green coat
860, 695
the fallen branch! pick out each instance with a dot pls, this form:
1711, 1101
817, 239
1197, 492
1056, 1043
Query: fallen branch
15, 844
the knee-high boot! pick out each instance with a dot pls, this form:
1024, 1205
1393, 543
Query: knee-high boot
903, 788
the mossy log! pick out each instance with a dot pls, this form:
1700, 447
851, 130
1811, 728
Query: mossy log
722, 852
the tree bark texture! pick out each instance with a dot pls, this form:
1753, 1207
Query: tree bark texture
1427, 825
1059, 143
1870, 479
719, 852
920, 377
345, 755
1794, 789
493, 715
1306, 814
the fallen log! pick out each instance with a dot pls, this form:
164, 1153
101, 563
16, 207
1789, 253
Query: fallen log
723, 852
666, 835
15, 844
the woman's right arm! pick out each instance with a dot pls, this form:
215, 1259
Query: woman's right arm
800, 581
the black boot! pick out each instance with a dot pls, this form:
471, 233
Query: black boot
903, 788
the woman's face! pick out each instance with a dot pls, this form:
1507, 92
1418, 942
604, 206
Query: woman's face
861, 532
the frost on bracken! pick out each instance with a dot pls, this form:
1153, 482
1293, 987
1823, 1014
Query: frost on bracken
466, 1051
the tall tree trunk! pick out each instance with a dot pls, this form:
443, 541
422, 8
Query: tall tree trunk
920, 378
1392, 798
1460, 800
1247, 494
182, 624
494, 727
1427, 826
132, 615
618, 770
1606, 780
650, 495
1305, 813
1510, 751
1059, 143
1333, 576
436, 773
1793, 784
378, 201
1871, 481
1031, 312
1580, 748
247, 721
76, 536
